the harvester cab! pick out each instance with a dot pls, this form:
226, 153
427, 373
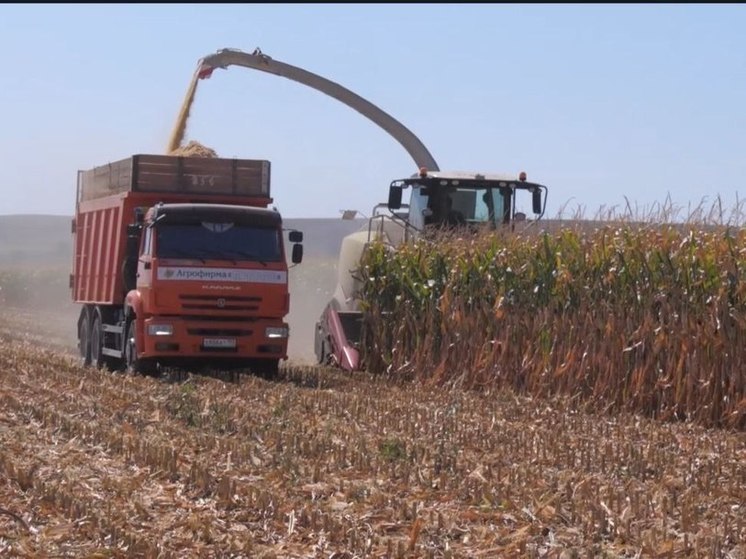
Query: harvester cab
458, 199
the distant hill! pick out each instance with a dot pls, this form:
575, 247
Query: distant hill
46, 240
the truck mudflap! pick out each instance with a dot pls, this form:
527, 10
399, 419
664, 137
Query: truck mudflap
338, 338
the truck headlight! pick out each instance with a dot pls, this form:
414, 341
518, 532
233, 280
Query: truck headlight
160, 329
276, 332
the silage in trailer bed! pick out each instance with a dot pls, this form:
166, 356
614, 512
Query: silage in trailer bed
642, 319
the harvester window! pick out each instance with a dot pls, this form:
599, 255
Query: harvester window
454, 215
491, 204
475, 205
460, 205
417, 205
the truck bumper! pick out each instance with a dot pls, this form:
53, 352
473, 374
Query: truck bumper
166, 337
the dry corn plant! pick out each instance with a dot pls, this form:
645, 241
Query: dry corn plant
643, 319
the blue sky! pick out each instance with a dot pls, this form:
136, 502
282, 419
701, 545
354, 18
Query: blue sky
597, 102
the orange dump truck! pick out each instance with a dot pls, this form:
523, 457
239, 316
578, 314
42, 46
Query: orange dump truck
180, 261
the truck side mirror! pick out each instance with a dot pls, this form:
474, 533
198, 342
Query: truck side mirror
395, 197
536, 198
297, 257
296, 236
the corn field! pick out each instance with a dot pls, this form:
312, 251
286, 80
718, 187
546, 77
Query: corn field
641, 319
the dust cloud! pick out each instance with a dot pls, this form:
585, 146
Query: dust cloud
36, 301
312, 283
311, 288
50, 320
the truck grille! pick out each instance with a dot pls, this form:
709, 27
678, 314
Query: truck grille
212, 303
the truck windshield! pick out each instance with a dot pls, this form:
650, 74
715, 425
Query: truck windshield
218, 241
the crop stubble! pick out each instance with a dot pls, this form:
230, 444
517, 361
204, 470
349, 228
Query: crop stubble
320, 464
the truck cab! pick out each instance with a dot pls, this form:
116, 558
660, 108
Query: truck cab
211, 281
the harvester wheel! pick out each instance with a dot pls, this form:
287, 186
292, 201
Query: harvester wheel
322, 344
132, 362
320, 353
326, 357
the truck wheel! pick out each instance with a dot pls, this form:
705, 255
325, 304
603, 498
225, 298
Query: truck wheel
97, 356
84, 340
267, 368
97, 342
132, 363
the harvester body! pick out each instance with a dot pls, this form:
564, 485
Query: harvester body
469, 202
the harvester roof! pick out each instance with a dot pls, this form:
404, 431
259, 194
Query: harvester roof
469, 178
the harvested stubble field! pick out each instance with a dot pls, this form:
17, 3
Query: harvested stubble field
319, 464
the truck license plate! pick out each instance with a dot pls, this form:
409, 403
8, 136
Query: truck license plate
219, 342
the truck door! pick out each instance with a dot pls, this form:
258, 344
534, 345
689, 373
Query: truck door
144, 267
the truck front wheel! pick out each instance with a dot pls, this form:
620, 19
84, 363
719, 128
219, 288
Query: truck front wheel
133, 363
267, 368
